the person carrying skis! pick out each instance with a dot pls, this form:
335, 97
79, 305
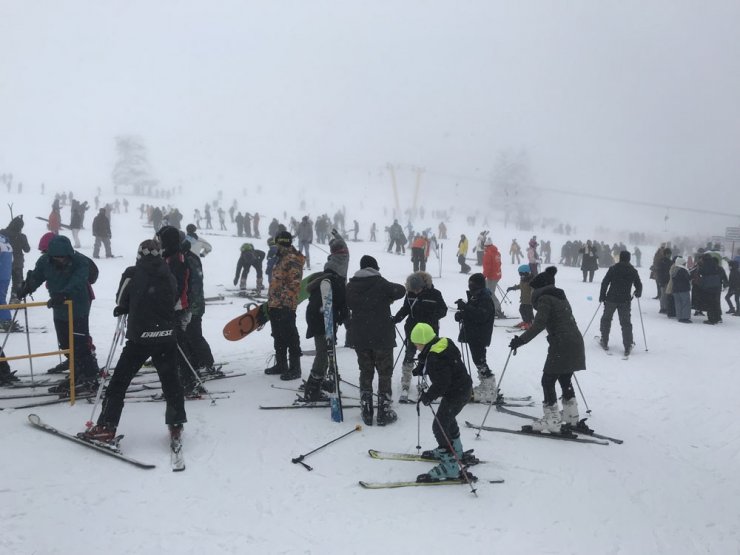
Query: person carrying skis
148, 293
525, 297
249, 257
423, 303
476, 328
441, 362
616, 294
285, 287
335, 272
565, 354
369, 297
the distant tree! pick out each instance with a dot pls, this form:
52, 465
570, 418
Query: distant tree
512, 190
132, 172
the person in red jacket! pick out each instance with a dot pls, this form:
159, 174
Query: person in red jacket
492, 272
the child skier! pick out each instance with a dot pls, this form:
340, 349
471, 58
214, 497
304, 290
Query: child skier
525, 297
440, 360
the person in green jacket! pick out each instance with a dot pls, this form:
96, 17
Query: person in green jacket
66, 275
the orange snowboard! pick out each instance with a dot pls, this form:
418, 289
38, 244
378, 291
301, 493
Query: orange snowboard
241, 326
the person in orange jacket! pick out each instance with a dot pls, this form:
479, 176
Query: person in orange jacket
420, 253
492, 272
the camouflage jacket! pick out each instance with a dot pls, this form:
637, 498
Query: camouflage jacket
285, 282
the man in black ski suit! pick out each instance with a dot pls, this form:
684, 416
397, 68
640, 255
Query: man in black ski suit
198, 350
249, 257
147, 293
616, 294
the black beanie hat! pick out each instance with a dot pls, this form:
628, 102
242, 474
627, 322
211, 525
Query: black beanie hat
284, 238
545, 278
478, 280
190, 228
368, 261
624, 256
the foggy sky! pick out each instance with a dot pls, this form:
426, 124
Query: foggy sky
635, 99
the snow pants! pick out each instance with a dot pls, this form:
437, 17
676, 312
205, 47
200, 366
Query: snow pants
624, 312
85, 366
445, 425
548, 387
370, 360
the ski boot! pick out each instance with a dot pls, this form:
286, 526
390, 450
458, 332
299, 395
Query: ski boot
175, 432
604, 342
386, 415
8, 377
627, 350
550, 421
447, 469
293, 372
59, 368
366, 403
9, 326
486, 391
281, 364
328, 384
210, 371
312, 391
103, 433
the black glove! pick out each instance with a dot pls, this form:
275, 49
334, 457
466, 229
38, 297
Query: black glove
418, 370
119, 311
510, 289
515, 343
460, 304
202, 255
57, 299
458, 316
25, 290
425, 399
602, 299
638, 294
236, 280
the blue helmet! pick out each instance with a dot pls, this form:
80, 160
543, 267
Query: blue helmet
524, 269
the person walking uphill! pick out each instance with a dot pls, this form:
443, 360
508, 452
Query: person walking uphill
616, 294
565, 354
282, 301
147, 293
369, 297
441, 362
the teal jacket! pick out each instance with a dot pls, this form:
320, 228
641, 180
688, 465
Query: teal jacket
69, 279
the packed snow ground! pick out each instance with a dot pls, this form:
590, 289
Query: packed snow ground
672, 486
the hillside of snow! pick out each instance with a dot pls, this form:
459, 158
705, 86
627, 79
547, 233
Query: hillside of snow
671, 488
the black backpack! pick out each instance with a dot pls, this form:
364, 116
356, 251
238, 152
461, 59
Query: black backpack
92, 270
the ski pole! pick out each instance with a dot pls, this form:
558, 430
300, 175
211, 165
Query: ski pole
28, 342
108, 361
504, 293
402, 349
418, 429
466, 351
197, 377
452, 450
588, 410
639, 309
7, 333
299, 458
592, 319
495, 398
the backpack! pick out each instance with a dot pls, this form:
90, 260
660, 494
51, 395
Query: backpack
92, 270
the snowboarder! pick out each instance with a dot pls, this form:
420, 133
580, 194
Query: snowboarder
440, 360
147, 293
249, 257
462, 253
565, 354
616, 294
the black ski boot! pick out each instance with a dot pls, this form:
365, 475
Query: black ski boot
59, 368
281, 364
328, 383
386, 415
312, 391
293, 372
366, 403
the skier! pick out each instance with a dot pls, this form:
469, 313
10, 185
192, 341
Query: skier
256, 225
492, 273
18, 240
395, 233
369, 297
102, 233
476, 328
462, 253
335, 272
419, 252
616, 294
525, 297
285, 286
239, 221
66, 275
198, 349
198, 245
55, 219
733, 290
515, 251
423, 303
565, 354
75, 222
480, 245
532, 257
440, 360
249, 257
148, 294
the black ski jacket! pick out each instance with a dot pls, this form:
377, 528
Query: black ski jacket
616, 287
369, 297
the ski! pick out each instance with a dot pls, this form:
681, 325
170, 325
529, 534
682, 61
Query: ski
335, 397
318, 405
388, 485
41, 425
468, 459
561, 437
160, 398
299, 391
26, 384
216, 298
605, 349
581, 427
506, 403
56, 401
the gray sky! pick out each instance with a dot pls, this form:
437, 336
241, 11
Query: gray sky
636, 99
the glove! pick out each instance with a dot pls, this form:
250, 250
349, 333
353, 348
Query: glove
236, 280
25, 289
458, 316
119, 311
602, 299
418, 370
460, 304
509, 289
425, 399
57, 299
515, 343
203, 255
638, 294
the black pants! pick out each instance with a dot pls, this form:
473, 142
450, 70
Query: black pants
445, 426
370, 360
714, 304
285, 334
548, 387
589, 274
85, 365
527, 313
418, 259
198, 349
164, 357
624, 312
321, 360
477, 353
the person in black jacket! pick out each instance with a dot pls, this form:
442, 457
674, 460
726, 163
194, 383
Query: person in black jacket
335, 273
423, 303
440, 360
662, 277
147, 293
616, 294
476, 327
196, 346
681, 290
101, 231
369, 297
734, 289
712, 279
249, 257
19, 242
